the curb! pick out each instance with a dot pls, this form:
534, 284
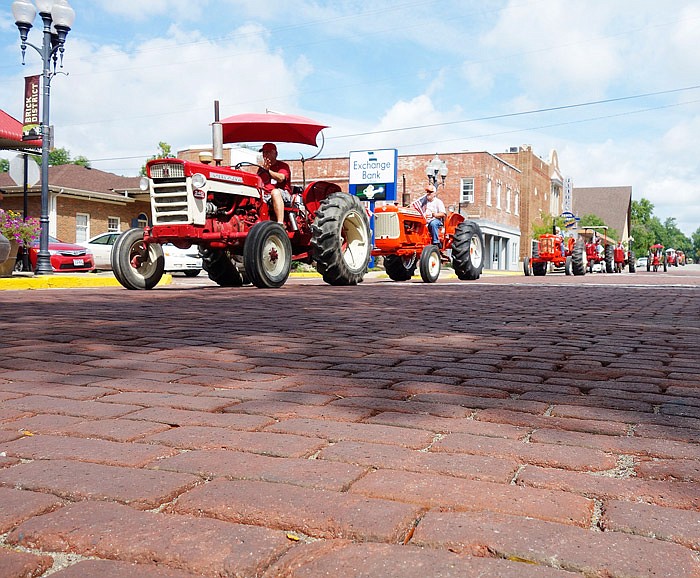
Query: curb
59, 281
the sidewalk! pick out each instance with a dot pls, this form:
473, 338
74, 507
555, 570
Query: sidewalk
350, 431
20, 281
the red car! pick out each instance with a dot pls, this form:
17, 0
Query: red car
65, 257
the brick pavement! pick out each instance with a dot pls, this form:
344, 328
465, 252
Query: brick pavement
502, 429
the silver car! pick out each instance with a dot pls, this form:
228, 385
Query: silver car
185, 261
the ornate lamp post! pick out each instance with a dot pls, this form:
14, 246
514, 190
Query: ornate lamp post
57, 16
434, 168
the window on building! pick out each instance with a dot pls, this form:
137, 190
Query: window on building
113, 225
515, 252
488, 191
516, 202
142, 221
467, 195
498, 195
508, 195
82, 227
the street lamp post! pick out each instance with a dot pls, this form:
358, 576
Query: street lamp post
57, 16
434, 168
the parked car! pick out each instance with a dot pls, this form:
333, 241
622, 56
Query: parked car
177, 260
65, 257
642, 262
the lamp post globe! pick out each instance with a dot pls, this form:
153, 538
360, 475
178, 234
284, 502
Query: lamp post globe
57, 17
434, 168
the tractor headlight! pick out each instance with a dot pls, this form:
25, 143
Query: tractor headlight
199, 181
144, 184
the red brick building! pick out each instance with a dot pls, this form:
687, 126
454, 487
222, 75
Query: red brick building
82, 202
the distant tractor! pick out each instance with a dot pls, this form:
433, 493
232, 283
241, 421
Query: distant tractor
402, 237
552, 248
599, 249
623, 258
657, 258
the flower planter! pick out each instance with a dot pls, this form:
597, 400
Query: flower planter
8, 265
4, 248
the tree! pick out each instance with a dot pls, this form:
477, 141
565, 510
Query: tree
61, 156
4, 166
696, 245
165, 152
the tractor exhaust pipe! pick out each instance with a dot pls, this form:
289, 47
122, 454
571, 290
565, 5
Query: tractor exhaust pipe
217, 137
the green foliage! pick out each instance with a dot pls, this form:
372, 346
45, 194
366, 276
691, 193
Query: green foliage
648, 229
62, 156
165, 152
696, 245
546, 226
596, 221
82, 161
4, 166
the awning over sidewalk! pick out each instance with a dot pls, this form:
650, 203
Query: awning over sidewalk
11, 134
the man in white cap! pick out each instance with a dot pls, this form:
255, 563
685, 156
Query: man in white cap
434, 213
276, 177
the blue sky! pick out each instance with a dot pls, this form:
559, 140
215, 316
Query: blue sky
613, 87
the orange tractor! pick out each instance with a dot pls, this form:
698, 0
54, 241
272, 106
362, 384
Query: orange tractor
402, 237
622, 258
552, 248
657, 258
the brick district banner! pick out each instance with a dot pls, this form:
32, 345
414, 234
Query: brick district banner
30, 124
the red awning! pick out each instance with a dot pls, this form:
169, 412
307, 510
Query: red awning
11, 134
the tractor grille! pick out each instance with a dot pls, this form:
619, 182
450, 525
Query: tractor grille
168, 170
169, 202
386, 226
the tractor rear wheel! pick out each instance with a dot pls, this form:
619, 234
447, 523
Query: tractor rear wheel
430, 264
468, 251
539, 269
578, 258
267, 255
220, 268
632, 263
609, 259
527, 269
400, 268
135, 264
341, 240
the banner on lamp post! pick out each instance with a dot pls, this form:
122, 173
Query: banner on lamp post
30, 124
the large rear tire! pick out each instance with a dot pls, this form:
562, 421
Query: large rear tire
267, 255
632, 262
430, 264
578, 258
400, 268
468, 251
135, 264
341, 240
609, 259
220, 268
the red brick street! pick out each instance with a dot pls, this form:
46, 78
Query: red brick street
509, 427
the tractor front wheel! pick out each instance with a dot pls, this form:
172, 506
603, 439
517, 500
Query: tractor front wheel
633, 263
135, 264
267, 255
400, 268
430, 264
341, 240
567, 265
527, 269
468, 251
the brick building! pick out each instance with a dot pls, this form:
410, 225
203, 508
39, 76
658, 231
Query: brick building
82, 202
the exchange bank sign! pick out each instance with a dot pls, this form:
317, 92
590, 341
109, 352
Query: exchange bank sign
373, 174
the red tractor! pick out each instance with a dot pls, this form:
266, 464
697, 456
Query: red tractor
599, 249
553, 248
657, 258
401, 236
622, 258
672, 257
222, 210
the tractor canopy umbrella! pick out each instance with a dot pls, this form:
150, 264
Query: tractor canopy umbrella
273, 127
